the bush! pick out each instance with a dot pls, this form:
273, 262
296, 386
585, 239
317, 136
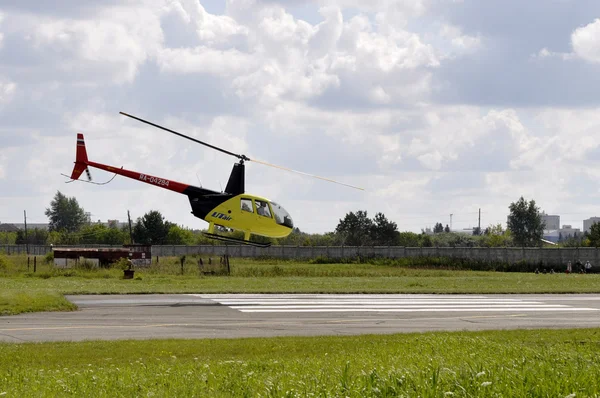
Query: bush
121, 264
3, 263
446, 263
85, 265
49, 258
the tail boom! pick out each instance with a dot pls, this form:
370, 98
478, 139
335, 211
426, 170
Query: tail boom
82, 163
148, 179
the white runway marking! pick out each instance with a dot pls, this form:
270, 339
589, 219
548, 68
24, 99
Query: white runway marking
292, 303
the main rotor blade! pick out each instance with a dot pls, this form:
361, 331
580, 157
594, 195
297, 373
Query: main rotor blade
306, 174
243, 157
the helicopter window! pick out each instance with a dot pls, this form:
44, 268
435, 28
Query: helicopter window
247, 205
262, 208
282, 217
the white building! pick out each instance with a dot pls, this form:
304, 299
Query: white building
587, 224
552, 221
567, 231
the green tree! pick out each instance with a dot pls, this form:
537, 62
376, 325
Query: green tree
496, 236
151, 229
65, 214
594, 235
525, 223
8, 238
383, 231
35, 236
355, 229
447, 229
438, 228
409, 239
101, 234
426, 241
180, 236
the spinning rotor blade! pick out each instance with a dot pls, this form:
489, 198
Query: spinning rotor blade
242, 157
306, 174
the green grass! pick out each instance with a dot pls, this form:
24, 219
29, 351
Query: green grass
23, 290
540, 363
14, 301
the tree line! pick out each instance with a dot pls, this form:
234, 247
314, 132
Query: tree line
69, 225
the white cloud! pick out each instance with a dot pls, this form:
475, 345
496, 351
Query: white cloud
395, 13
351, 99
114, 44
545, 53
205, 60
573, 134
7, 91
2, 166
210, 28
586, 42
459, 41
1, 34
327, 33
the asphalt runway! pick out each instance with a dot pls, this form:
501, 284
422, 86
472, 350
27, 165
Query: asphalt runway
265, 315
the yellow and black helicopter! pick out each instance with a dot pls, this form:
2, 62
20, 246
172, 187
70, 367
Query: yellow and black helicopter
233, 208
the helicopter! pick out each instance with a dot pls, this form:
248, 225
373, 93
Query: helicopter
232, 208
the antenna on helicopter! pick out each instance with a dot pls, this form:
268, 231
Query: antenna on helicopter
242, 157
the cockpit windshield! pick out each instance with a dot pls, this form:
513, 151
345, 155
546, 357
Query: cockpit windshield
282, 217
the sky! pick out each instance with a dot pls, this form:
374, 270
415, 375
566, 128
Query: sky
437, 108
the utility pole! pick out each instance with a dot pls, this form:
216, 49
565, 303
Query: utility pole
130, 233
479, 222
26, 238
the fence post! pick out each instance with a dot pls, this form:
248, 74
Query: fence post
34, 263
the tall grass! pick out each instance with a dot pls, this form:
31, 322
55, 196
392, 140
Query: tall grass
562, 363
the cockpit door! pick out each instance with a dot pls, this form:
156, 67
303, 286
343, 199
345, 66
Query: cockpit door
264, 215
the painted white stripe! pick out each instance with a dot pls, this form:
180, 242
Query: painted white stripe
361, 298
312, 303
399, 306
429, 302
421, 310
332, 296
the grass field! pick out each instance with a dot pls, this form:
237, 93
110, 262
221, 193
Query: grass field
562, 363
552, 363
22, 290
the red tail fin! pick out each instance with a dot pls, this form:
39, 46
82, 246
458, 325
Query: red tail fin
81, 159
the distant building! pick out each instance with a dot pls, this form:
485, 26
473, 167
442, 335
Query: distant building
552, 236
30, 226
465, 231
587, 224
567, 231
8, 228
552, 221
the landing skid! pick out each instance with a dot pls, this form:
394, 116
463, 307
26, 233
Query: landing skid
235, 240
